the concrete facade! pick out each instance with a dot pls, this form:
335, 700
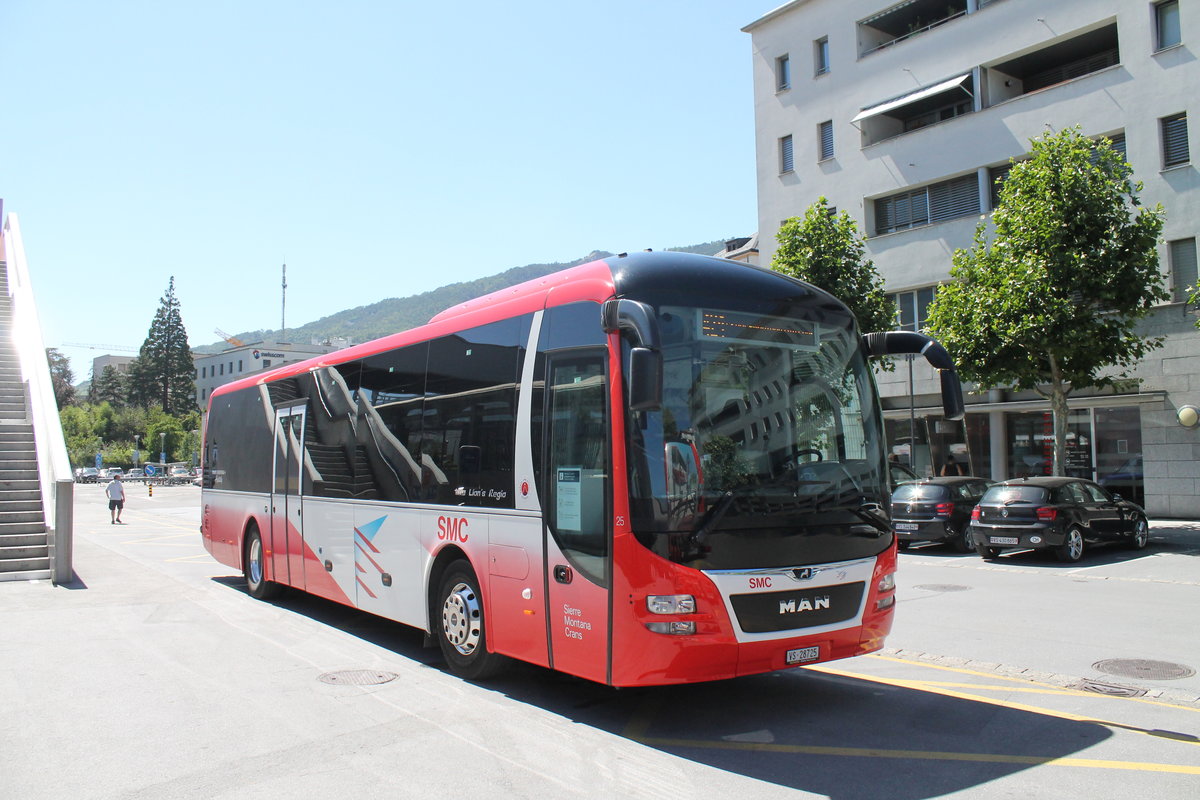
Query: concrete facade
877, 106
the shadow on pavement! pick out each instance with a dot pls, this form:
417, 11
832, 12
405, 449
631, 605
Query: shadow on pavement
840, 737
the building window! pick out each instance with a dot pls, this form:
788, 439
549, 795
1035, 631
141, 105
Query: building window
786, 161
783, 73
239, 365
821, 55
1166, 23
913, 308
1181, 255
204, 372
266, 362
222, 366
935, 203
825, 140
1175, 140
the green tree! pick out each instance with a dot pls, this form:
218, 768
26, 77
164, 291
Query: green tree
108, 387
826, 250
163, 373
61, 377
1052, 304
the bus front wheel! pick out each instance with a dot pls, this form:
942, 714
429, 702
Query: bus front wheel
460, 625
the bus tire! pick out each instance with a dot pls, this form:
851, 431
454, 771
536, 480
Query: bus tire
254, 567
460, 625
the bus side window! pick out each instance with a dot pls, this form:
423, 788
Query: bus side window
469, 428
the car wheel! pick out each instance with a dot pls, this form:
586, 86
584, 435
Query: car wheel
1141, 534
963, 541
987, 553
254, 568
1071, 550
460, 627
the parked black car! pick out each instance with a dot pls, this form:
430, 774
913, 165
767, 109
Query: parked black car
1060, 514
936, 510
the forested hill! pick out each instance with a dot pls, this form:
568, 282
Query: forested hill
400, 313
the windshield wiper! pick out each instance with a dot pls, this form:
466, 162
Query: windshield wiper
711, 518
876, 520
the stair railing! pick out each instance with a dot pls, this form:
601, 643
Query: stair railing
54, 467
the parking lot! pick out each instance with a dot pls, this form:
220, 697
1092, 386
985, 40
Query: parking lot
155, 675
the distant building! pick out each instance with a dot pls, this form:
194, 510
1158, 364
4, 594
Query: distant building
905, 114
217, 369
744, 249
119, 363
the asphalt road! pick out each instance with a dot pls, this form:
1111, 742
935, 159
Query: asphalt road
156, 676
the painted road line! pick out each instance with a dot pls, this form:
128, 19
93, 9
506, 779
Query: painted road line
995, 676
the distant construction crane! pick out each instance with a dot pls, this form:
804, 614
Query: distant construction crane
112, 347
233, 340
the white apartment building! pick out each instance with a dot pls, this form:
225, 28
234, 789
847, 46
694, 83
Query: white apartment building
217, 369
903, 114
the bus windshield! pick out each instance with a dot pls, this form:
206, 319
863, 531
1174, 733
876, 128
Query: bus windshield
766, 451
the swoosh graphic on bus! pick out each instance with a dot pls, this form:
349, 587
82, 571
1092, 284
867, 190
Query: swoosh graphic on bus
362, 543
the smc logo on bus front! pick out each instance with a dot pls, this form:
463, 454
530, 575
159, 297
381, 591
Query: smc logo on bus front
452, 529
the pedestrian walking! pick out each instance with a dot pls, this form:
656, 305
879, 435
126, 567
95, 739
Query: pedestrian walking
116, 498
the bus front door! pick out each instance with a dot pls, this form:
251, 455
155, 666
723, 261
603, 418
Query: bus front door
578, 534
287, 525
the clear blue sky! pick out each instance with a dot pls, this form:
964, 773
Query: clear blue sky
379, 149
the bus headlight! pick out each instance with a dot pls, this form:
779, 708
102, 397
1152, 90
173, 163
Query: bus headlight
675, 628
670, 604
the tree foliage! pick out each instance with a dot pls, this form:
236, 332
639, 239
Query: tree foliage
116, 431
61, 377
163, 373
108, 387
826, 250
1052, 303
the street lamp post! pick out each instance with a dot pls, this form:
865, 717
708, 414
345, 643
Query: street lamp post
136, 437
162, 449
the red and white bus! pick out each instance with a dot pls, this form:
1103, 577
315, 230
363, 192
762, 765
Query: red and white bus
649, 469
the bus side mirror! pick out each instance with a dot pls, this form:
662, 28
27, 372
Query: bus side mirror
645, 379
894, 343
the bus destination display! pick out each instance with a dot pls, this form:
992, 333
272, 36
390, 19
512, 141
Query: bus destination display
734, 326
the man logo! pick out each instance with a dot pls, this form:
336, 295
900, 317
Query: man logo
802, 574
804, 604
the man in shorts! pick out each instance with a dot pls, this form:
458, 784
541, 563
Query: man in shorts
116, 498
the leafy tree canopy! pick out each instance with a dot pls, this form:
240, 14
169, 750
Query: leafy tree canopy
61, 377
1052, 302
825, 249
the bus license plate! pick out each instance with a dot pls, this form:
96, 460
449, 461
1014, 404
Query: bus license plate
803, 654
1004, 540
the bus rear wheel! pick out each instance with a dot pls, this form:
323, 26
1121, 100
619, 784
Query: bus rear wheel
460, 625
254, 568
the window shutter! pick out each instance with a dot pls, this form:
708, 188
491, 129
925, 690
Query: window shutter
1183, 267
786, 161
1175, 141
826, 134
956, 198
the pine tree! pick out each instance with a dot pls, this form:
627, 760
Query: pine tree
108, 386
163, 373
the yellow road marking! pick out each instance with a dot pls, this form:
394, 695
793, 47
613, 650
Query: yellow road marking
993, 676
925, 755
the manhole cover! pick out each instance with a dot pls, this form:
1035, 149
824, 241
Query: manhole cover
1146, 670
1111, 689
942, 587
357, 677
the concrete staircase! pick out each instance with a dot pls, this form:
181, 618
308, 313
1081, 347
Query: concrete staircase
24, 545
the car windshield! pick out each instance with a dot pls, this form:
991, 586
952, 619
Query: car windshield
1010, 495
916, 491
767, 425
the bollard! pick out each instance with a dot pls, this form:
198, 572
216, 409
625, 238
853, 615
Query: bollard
150, 486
